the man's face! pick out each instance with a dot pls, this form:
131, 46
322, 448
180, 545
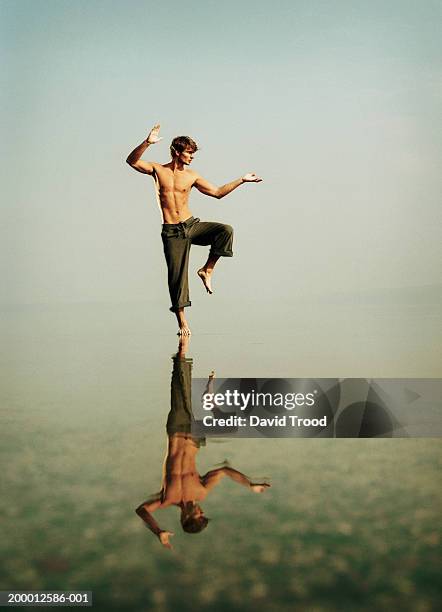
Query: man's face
186, 156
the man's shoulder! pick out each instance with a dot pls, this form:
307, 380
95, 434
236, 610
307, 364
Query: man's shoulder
160, 170
192, 174
158, 165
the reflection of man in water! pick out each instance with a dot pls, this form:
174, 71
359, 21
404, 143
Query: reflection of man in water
182, 485
174, 181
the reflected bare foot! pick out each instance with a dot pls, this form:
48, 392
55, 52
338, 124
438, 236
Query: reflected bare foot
205, 276
183, 345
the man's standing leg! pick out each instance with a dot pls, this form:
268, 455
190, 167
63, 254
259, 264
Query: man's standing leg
176, 252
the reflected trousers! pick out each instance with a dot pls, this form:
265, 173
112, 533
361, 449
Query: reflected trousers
177, 239
180, 418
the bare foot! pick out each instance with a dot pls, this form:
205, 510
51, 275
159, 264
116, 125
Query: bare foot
184, 329
205, 277
182, 323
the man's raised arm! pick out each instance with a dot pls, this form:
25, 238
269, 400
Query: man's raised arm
133, 159
219, 192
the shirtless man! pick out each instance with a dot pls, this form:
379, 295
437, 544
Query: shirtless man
182, 485
173, 182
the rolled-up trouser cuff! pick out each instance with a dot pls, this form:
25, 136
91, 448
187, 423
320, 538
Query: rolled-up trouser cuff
175, 308
221, 253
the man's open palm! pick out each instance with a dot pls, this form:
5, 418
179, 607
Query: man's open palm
251, 178
259, 488
153, 134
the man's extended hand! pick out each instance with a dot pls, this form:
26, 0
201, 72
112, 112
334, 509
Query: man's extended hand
164, 538
251, 178
259, 488
153, 135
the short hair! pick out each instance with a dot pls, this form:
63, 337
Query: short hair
195, 524
180, 143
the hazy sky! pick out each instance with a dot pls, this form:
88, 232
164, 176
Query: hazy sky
335, 103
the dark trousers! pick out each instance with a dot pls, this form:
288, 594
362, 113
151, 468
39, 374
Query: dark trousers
177, 240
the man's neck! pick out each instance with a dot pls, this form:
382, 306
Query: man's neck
176, 164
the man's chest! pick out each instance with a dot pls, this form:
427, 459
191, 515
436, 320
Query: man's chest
168, 181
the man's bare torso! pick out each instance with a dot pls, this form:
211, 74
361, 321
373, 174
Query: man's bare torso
173, 190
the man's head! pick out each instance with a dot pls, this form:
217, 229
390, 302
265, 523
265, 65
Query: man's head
183, 149
193, 519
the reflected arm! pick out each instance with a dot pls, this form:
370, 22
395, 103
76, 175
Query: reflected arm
212, 478
144, 512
